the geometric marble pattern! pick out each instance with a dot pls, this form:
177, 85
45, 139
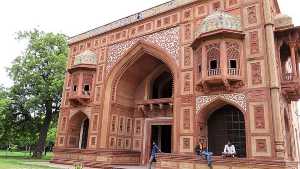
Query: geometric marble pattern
168, 40
238, 98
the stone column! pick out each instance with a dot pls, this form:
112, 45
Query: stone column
293, 57
274, 81
80, 84
223, 60
204, 63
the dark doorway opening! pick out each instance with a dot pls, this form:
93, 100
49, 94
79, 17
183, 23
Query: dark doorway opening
84, 134
162, 86
162, 136
227, 123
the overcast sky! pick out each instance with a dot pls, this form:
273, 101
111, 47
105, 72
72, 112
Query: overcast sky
71, 18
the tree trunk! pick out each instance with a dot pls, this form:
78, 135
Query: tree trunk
39, 148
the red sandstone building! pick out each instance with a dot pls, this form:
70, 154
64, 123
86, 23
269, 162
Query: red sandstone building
184, 71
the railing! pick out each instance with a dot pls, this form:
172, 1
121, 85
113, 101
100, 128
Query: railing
288, 76
156, 101
233, 71
86, 93
163, 103
214, 72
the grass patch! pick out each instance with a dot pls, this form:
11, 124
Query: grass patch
22, 160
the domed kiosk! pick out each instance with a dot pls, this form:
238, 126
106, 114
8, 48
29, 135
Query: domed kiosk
218, 44
219, 21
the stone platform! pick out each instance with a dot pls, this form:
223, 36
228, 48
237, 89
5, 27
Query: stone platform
179, 161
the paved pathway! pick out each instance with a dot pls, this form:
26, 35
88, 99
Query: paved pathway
61, 166
57, 166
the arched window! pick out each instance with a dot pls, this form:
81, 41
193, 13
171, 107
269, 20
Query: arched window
213, 58
87, 83
75, 82
227, 124
213, 55
233, 57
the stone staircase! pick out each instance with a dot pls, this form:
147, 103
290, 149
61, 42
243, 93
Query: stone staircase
94, 164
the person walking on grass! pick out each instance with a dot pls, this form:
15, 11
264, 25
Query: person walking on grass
155, 149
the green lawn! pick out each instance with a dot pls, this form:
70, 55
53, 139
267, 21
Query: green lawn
21, 160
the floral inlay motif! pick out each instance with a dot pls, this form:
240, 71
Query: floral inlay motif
219, 20
87, 57
168, 40
238, 98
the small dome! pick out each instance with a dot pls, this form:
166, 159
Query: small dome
283, 21
219, 20
87, 57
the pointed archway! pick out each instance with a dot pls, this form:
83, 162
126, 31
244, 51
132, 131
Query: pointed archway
221, 121
123, 82
78, 130
226, 124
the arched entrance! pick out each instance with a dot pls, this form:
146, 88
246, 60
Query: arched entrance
144, 90
79, 131
140, 87
224, 124
136, 84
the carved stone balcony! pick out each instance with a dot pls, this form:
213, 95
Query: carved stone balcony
219, 79
75, 68
80, 98
156, 107
290, 86
214, 72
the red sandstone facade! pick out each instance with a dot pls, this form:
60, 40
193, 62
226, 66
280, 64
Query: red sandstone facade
179, 73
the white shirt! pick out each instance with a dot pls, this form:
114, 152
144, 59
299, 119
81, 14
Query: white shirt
229, 149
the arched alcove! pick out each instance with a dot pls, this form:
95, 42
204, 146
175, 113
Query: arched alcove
78, 131
132, 84
226, 124
127, 89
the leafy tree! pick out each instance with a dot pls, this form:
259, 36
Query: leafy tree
5, 122
38, 76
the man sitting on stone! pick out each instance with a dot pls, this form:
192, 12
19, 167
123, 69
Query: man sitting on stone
229, 150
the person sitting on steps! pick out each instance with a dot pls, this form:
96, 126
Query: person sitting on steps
207, 155
198, 150
229, 150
